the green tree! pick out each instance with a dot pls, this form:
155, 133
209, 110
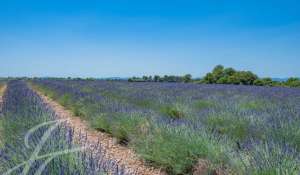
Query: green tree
187, 78
259, 82
218, 72
156, 78
229, 71
209, 78
268, 82
145, 78
293, 82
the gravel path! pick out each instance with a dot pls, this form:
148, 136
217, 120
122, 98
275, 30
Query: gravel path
123, 155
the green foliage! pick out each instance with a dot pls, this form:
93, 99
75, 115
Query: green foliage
220, 75
293, 82
178, 149
78, 109
174, 111
102, 123
187, 78
125, 127
156, 78
264, 82
218, 72
121, 126
65, 100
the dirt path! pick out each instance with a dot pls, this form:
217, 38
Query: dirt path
2, 90
123, 155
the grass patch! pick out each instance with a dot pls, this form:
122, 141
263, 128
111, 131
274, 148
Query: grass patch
177, 149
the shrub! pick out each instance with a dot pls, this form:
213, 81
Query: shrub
78, 109
178, 149
65, 100
121, 126
101, 123
174, 111
126, 126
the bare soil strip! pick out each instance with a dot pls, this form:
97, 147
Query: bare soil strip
123, 155
2, 90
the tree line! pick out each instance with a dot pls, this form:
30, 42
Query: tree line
222, 75
167, 78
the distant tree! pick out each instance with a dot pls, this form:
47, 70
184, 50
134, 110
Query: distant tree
223, 80
293, 82
171, 78
150, 78
145, 78
221, 75
90, 79
218, 72
229, 71
268, 82
258, 82
246, 77
234, 79
161, 79
209, 78
166, 78
156, 78
187, 78
264, 82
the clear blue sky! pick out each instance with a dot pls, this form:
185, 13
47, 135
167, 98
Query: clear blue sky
107, 38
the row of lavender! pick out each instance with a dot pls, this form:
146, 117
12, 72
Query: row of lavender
250, 129
26, 149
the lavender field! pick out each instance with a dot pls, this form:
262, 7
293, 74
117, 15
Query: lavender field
180, 127
22, 111
157, 87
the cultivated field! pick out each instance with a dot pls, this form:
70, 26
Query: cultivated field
170, 128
